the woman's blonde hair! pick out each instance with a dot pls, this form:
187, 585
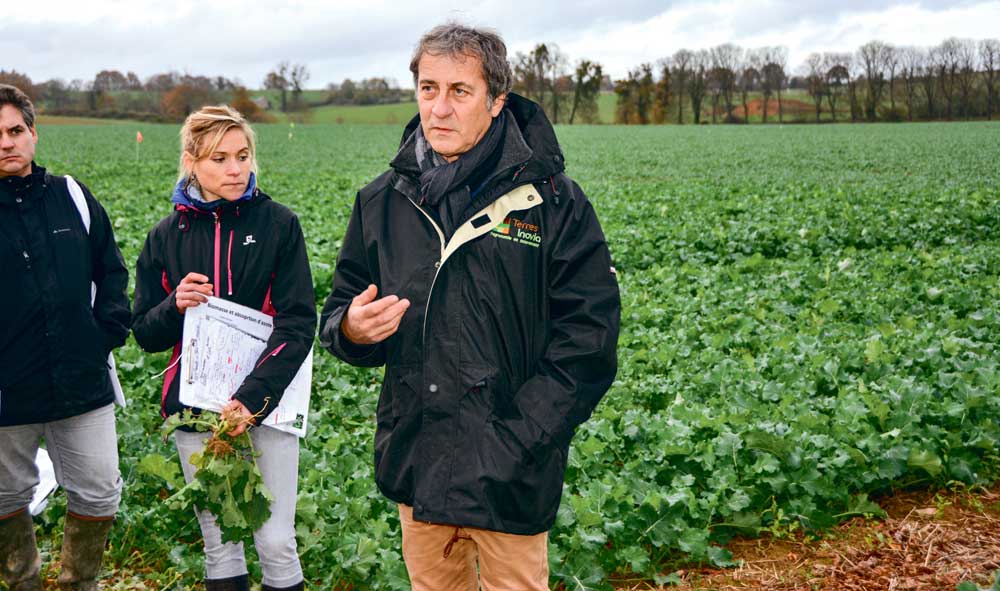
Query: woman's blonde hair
203, 130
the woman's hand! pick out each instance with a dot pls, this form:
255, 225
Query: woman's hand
193, 290
236, 413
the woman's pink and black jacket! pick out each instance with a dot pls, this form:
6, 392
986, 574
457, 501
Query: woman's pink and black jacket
253, 252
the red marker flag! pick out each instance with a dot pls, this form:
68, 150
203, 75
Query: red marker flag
138, 137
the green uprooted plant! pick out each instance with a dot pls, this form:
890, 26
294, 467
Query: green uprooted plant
227, 482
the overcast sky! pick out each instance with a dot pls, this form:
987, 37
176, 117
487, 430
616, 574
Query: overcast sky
336, 40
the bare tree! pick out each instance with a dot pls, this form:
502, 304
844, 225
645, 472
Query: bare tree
891, 67
928, 79
646, 93
854, 75
162, 82
713, 84
586, 89
536, 75
837, 75
697, 81
816, 81
109, 81
872, 56
967, 74
749, 78
277, 79
662, 97
772, 76
989, 56
558, 63
726, 60
55, 92
627, 91
911, 63
680, 68
946, 66
298, 76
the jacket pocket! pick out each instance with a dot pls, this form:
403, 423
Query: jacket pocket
522, 489
398, 424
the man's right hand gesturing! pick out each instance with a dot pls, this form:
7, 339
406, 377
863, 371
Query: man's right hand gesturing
369, 321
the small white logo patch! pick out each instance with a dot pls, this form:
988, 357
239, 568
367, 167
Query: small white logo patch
249, 240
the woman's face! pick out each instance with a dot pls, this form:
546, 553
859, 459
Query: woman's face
224, 173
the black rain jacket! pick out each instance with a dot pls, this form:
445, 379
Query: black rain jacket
48, 256
254, 254
509, 342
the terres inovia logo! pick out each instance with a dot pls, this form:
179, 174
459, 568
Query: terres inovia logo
517, 231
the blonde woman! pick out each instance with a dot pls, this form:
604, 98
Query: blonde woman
226, 238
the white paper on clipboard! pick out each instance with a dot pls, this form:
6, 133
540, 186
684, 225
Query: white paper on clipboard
222, 342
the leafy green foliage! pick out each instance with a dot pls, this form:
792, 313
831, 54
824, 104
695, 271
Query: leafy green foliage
810, 319
227, 483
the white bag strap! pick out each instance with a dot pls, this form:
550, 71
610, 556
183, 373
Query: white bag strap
81, 207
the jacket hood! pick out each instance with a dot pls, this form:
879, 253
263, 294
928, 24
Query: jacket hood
542, 159
189, 197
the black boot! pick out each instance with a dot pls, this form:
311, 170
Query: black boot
84, 539
19, 559
300, 586
240, 583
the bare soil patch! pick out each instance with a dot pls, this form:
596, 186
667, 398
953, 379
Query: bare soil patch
929, 542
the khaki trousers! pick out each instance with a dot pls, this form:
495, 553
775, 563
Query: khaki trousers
445, 557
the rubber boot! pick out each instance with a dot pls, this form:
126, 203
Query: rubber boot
240, 583
84, 539
300, 586
20, 562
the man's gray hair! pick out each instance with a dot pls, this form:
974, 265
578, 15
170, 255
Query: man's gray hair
453, 39
13, 96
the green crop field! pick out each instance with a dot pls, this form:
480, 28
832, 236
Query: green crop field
810, 319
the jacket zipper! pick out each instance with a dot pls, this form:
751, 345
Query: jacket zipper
229, 261
271, 354
218, 247
437, 270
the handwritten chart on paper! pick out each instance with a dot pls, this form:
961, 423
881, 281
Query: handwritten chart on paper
222, 344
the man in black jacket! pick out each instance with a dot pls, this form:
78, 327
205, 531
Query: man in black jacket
498, 322
65, 309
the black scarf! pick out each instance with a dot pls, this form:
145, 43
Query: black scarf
447, 188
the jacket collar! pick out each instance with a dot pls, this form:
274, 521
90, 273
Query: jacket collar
12, 187
187, 198
532, 154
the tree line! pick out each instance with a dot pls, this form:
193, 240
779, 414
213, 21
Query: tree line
171, 96
878, 82
730, 84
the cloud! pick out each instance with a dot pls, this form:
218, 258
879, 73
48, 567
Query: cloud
336, 40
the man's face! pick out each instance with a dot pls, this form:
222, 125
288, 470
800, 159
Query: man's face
17, 143
452, 96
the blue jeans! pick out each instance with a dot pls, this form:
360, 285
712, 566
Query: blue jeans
84, 453
275, 540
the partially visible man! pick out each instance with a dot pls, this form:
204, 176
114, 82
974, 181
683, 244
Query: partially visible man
65, 308
499, 327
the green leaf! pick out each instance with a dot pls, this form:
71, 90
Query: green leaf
671, 579
926, 460
158, 466
721, 557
